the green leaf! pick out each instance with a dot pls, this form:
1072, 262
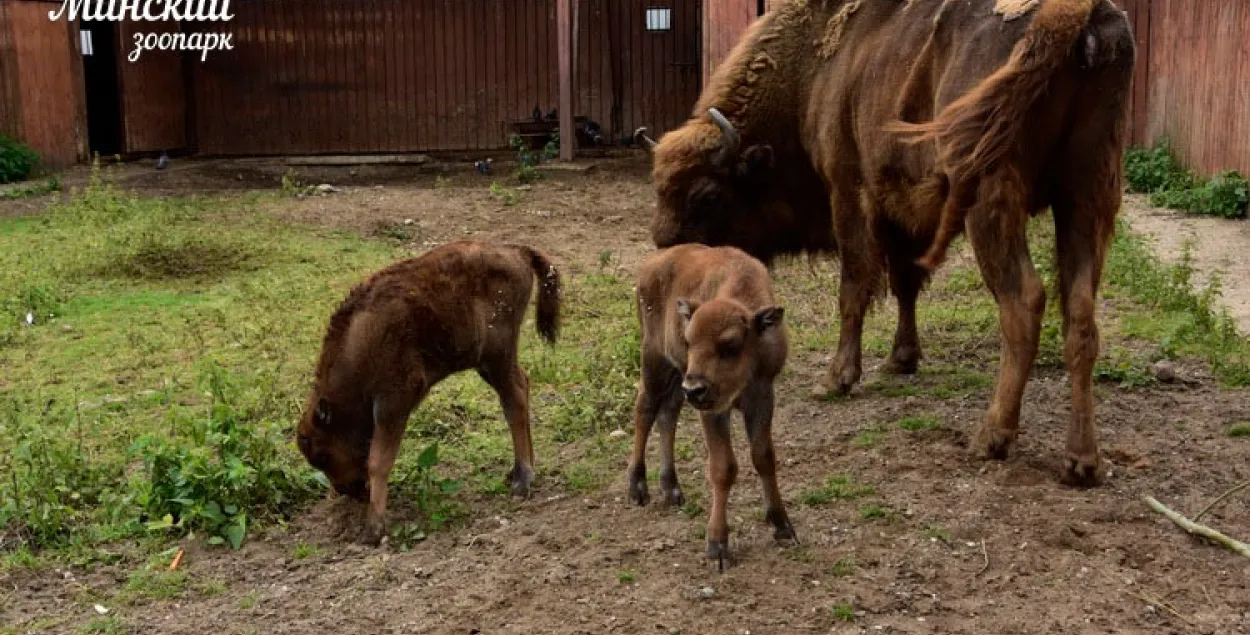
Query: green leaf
428, 457
216, 541
164, 523
236, 532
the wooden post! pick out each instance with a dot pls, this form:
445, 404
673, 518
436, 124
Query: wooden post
564, 46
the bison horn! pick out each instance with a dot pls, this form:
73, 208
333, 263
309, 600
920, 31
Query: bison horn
732, 138
641, 138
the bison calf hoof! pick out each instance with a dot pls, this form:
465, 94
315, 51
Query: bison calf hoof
993, 443
521, 478
782, 529
902, 362
372, 533
1082, 472
673, 496
718, 551
638, 485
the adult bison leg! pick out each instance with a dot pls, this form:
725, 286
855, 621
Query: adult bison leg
1084, 223
861, 260
906, 280
996, 228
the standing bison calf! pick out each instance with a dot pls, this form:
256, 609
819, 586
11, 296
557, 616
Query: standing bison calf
711, 334
402, 331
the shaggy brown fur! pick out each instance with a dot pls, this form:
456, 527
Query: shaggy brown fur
711, 334
406, 328
880, 130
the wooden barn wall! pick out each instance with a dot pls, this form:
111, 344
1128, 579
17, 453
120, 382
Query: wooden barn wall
1199, 92
42, 82
153, 93
412, 75
724, 22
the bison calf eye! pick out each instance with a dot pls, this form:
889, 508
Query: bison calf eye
729, 351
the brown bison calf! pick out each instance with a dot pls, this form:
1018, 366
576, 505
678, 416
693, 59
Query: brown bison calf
711, 334
406, 328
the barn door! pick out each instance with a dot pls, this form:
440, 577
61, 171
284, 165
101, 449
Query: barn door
153, 93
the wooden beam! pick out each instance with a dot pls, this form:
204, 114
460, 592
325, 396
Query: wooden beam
564, 47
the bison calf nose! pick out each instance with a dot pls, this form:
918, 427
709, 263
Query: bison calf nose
696, 390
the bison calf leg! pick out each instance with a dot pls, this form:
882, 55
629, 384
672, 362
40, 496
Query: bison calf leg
390, 417
722, 470
659, 399
997, 232
757, 409
513, 387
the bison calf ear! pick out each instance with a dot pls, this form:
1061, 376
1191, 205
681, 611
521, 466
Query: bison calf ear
768, 317
757, 162
685, 309
321, 417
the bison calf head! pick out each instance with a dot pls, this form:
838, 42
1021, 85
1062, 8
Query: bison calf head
335, 440
708, 185
724, 342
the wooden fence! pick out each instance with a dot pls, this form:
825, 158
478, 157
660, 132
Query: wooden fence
1192, 85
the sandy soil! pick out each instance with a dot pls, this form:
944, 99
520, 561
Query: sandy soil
1016, 552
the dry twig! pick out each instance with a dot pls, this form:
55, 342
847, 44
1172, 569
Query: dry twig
1160, 604
1221, 497
1198, 530
985, 554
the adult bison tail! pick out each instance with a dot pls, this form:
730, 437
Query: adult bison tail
548, 293
977, 132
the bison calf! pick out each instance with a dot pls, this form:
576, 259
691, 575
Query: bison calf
711, 335
406, 328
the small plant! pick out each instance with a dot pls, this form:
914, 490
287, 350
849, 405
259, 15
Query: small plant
1239, 431
154, 583
843, 567
431, 492
248, 601
16, 160
293, 186
1155, 171
626, 577
304, 551
395, 231
527, 174
111, 625
843, 612
836, 488
507, 196
920, 423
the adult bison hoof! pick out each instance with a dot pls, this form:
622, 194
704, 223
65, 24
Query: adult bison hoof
785, 533
718, 551
1082, 471
522, 478
902, 361
673, 497
638, 486
371, 533
993, 443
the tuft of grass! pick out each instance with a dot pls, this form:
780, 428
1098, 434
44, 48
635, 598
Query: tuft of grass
869, 437
31, 190
150, 585
626, 577
936, 532
248, 601
843, 567
873, 511
841, 487
918, 423
304, 551
1239, 431
506, 195
111, 625
843, 612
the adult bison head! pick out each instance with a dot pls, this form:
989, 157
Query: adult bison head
710, 187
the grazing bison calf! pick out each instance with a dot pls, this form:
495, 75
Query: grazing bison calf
402, 331
711, 334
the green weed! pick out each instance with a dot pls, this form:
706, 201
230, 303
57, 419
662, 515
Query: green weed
935, 532
1239, 431
920, 423
1156, 171
111, 625
873, 511
626, 577
843, 612
843, 567
836, 488
17, 160
868, 438
304, 551
507, 196
32, 190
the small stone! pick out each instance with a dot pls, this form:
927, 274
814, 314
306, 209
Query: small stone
408, 221
1164, 371
617, 434
326, 188
101, 610
707, 592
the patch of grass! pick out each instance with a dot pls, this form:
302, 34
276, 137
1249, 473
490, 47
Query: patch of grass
31, 190
401, 232
841, 487
111, 625
873, 511
937, 532
797, 554
211, 587
248, 601
626, 577
154, 584
304, 551
1239, 431
843, 612
1156, 171
918, 423
843, 567
869, 437
505, 195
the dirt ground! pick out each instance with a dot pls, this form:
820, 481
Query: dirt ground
977, 547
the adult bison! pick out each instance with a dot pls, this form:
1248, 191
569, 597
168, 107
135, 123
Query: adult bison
881, 129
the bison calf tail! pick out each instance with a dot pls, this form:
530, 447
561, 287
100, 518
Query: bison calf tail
548, 294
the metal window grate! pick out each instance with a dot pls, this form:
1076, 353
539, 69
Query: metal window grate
659, 19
